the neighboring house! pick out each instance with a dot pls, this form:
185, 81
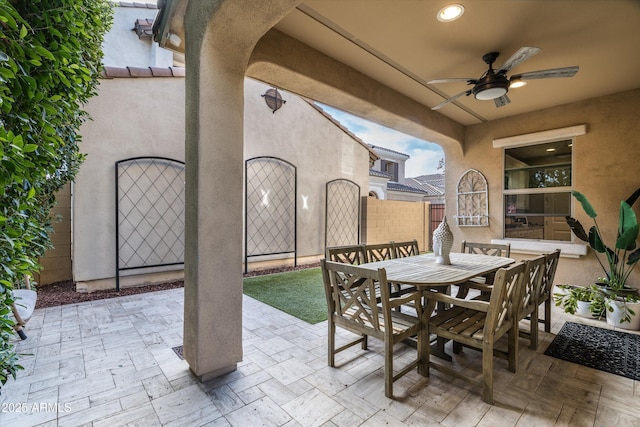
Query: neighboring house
387, 177
128, 123
432, 185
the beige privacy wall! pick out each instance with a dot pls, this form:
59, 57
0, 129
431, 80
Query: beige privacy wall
56, 262
387, 220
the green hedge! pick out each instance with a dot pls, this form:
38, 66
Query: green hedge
50, 60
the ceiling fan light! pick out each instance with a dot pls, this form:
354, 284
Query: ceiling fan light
491, 93
450, 13
515, 83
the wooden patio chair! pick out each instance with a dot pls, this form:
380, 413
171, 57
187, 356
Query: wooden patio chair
349, 254
23, 306
405, 249
480, 324
351, 303
546, 290
402, 250
482, 283
379, 252
533, 281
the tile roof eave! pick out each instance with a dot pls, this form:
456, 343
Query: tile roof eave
138, 72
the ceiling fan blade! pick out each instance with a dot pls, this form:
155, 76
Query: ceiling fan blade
521, 55
550, 73
469, 80
453, 98
502, 101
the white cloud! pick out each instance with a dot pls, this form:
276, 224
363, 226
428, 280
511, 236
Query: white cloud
424, 155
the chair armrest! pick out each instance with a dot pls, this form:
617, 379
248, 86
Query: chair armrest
477, 285
404, 299
460, 302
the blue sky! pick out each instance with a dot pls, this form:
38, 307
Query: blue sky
424, 155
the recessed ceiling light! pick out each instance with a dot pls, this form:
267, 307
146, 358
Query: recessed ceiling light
551, 149
450, 13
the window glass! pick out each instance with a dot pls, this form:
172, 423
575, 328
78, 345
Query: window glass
537, 191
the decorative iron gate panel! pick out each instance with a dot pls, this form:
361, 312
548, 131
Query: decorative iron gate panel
342, 213
270, 208
149, 213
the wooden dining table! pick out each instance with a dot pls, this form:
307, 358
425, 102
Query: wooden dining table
422, 272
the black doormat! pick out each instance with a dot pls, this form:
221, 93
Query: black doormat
603, 349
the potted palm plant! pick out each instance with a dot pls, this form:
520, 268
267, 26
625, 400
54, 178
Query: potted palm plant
620, 260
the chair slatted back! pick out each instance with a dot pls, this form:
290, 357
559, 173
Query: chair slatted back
533, 281
486, 248
351, 254
379, 252
504, 299
551, 264
353, 294
406, 249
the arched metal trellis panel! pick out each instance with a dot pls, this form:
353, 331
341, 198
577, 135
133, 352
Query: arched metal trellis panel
149, 213
473, 200
270, 208
342, 213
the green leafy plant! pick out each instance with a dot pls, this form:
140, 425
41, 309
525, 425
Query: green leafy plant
625, 311
50, 61
568, 300
623, 256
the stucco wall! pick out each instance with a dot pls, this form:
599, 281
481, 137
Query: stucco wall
123, 47
605, 168
129, 123
320, 150
131, 117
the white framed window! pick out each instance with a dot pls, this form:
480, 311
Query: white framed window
538, 179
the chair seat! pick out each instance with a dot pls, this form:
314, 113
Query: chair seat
460, 321
401, 322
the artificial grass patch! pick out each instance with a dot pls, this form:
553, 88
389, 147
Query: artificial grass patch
299, 293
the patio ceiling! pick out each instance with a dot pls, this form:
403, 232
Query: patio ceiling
402, 45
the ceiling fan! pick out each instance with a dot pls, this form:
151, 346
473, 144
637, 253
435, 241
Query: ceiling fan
494, 84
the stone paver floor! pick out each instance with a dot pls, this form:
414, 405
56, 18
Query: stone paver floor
111, 363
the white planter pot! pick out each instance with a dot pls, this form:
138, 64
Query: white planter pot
584, 309
614, 317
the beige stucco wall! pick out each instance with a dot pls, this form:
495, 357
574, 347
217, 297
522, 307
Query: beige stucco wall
320, 150
131, 117
127, 123
605, 168
393, 220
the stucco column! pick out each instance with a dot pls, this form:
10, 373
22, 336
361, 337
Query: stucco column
220, 36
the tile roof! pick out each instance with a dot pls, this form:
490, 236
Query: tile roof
436, 180
374, 172
130, 72
394, 186
377, 147
142, 27
427, 188
135, 4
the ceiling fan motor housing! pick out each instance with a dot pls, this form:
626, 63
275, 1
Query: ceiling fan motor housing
491, 86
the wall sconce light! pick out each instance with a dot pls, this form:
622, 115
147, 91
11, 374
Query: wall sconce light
273, 99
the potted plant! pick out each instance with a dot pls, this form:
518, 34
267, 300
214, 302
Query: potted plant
621, 260
578, 300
